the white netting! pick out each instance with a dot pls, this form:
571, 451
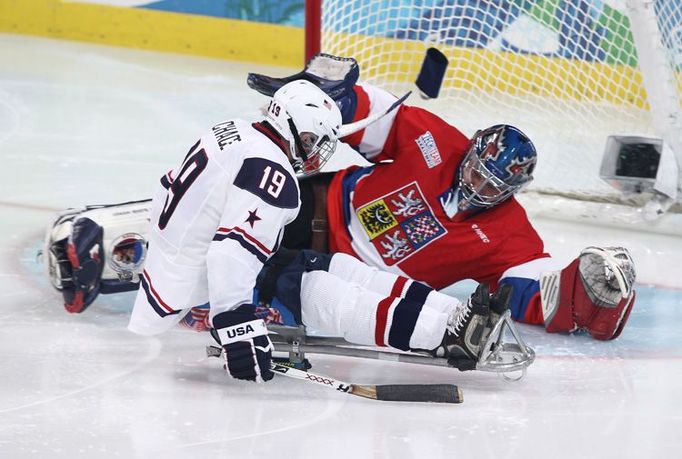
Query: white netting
564, 71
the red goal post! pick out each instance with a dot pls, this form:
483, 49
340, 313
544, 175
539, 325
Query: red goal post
313, 27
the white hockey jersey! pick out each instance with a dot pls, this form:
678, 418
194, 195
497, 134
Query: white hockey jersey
215, 220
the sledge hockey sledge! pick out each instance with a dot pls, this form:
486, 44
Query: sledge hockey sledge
505, 351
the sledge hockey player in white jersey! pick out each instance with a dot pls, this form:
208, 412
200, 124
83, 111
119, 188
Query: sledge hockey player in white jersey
219, 216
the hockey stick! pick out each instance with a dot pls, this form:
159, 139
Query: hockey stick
435, 393
351, 128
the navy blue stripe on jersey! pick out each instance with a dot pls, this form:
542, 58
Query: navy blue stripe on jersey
153, 298
247, 246
165, 182
417, 292
405, 317
279, 241
348, 183
245, 240
268, 180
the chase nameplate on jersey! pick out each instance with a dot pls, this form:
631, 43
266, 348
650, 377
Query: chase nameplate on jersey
226, 133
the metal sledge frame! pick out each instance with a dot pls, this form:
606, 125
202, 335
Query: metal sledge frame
497, 356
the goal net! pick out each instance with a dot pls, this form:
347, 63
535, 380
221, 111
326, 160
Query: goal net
569, 73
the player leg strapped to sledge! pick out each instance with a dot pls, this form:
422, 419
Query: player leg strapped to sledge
342, 296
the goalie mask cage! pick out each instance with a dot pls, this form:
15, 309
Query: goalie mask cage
567, 72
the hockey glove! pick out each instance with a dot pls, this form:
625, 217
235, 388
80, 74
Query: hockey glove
244, 338
334, 75
594, 292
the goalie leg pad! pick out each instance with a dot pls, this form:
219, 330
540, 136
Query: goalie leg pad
86, 257
116, 236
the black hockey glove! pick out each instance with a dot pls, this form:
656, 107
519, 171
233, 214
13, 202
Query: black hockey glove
244, 337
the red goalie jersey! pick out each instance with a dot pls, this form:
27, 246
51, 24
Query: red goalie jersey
392, 215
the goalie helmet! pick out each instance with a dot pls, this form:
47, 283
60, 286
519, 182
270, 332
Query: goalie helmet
500, 162
309, 120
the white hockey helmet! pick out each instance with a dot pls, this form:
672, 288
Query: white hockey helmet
309, 120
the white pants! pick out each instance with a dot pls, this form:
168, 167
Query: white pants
367, 306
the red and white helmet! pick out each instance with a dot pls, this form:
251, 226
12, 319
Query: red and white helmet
309, 120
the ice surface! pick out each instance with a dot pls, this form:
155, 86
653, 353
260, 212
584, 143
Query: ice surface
83, 124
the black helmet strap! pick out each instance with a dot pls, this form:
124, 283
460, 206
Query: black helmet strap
297, 140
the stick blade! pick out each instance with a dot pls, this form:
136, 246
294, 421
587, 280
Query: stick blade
431, 74
435, 393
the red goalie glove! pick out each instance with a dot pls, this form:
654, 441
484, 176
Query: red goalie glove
594, 293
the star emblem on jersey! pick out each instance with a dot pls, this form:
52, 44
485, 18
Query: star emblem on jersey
252, 218
400, 223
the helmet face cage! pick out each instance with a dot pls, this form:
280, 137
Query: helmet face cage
312, 151
316, 152
479, 186
499, 163
309, 120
